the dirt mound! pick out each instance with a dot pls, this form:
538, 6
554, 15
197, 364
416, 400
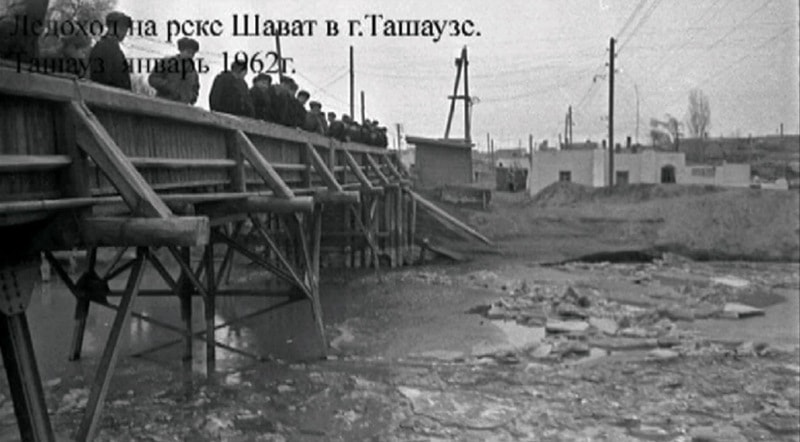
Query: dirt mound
737, 224
566, 193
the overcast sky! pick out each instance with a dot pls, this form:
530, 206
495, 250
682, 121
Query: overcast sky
531, 61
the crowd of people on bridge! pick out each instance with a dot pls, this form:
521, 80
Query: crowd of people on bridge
177, 79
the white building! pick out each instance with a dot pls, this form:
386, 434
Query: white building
590, 168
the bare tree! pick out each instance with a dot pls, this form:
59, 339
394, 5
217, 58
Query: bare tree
699, 117
81, 11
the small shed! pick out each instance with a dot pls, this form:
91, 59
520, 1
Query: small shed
440, 162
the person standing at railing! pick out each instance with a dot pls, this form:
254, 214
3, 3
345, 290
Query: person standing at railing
280, 98
336, 128
230, 94
259, 94
106, 60
297, 109
175, 78
315, 119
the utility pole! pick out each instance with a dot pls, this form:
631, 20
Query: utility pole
281, 64
399, 137
363, 110
636, 89
488, 141
352, 85
571, 123
568, 128
467, 99
611, 56
461, 64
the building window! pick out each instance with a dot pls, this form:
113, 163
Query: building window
565, 175
668, 174
622, 177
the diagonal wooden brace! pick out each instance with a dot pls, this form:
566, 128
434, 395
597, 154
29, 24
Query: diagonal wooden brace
377, 168
108, 361
95, 140
322, 169
356, 169
262, 166
280, 256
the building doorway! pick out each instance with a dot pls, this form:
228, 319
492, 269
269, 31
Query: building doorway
668, 174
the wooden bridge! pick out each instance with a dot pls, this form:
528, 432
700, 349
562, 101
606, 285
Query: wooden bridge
87, 166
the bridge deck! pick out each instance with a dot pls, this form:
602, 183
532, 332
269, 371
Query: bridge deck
87, 166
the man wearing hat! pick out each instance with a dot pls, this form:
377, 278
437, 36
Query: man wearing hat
280, 99
175, 78
298, 110
107, 62
229, 92
259, 93
315, 119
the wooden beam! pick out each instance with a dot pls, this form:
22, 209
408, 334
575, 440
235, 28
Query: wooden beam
181, 163
332, 197
377, 168
258, 204
32, 163
144, 232
356, 169
448, 220
322, 169
264, 169
95, 141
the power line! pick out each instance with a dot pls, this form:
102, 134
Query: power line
727, 68
630, 18
694, 37
642, 21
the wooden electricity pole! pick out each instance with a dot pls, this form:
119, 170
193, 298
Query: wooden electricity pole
352, 85
611, 55
462, 63
363, 109
281, 64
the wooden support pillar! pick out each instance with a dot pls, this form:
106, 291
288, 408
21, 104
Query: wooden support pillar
348, 228
316, 306
373, 230
210, 311
16, 346
185, 296
361, 212
412, 222
108, 360
399, 225
238, 174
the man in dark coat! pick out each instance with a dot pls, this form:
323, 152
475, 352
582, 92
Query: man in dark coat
298, 110
107, 62
259, 94
280, 99
315, 119
229, 92
176, 78
335, 127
